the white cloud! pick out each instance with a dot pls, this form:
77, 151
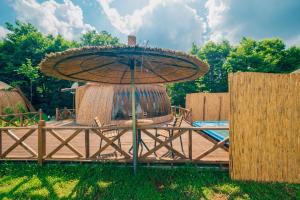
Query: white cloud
234, 19
3, 32
129, 24
51, 17
165, 23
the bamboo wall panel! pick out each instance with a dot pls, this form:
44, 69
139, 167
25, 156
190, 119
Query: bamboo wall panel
208, 106
264, 127
112, 103
96, 101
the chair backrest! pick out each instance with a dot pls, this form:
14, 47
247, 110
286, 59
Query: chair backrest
178, 121
97, 122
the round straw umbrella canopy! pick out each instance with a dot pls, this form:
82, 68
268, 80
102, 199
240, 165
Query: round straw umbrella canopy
112, 65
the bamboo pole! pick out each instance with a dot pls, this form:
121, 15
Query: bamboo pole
134, 136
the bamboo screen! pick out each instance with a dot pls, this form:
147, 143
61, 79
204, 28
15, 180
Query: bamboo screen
208, 106
265, 127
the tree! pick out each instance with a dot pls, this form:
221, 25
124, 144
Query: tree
23, 49
268, 55
30, 72
215, 54
214, 81
93, 38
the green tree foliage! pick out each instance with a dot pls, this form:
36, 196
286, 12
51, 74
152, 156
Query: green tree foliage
23, 49
93, 38
214, 81
268, 55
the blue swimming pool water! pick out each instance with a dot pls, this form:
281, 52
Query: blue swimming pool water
218, 135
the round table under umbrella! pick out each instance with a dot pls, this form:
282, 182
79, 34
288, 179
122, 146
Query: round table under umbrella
128, 64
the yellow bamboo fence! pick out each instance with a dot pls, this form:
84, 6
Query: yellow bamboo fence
264, 127
208, 106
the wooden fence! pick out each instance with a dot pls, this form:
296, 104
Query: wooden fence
264, 127
21, 119
65, 113
208, 106
78, 144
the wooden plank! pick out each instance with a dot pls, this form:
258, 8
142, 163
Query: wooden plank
41, 144
87, 143
190, 144
204, 107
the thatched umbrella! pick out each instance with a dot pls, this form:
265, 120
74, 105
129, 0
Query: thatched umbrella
124, 65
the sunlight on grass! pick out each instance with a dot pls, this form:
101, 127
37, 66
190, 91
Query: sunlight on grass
65, 188
83, 181
7, 184
104, 184
228, 188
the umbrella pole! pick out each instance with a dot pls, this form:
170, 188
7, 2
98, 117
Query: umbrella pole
134, 138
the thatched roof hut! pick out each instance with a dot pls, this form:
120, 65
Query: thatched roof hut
11, 98
112, 103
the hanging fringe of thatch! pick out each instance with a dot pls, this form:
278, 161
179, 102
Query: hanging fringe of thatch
107, 101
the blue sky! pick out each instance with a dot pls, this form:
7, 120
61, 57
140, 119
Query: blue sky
174, 24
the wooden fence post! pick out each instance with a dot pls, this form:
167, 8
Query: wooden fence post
56, 114
41, 141
65, 113
190, 145
21, 120
0, 144
40, 114
87, 143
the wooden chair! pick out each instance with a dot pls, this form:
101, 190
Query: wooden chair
109, 133
167, 134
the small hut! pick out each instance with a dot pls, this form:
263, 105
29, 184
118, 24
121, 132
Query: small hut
11, 98
112, 103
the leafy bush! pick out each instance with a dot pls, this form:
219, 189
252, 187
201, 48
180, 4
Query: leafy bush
21, 108
8, 110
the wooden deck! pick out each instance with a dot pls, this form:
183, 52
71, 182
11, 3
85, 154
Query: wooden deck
199, 145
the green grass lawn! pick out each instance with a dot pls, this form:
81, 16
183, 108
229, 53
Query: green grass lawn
97, 181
